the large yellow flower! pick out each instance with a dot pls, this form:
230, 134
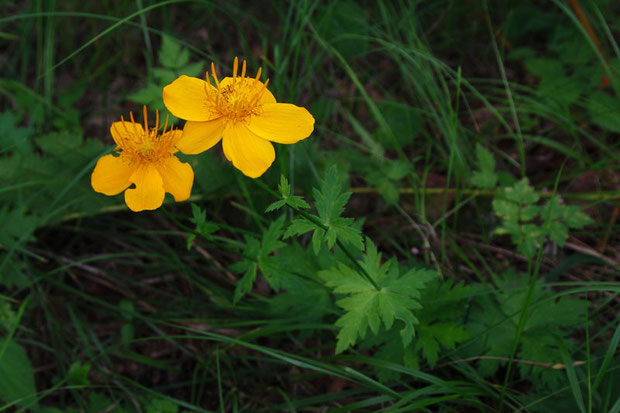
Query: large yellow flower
146, 158
240, 111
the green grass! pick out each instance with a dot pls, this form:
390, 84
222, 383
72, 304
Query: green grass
102, 309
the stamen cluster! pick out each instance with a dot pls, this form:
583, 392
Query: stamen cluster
238, 98
144, 145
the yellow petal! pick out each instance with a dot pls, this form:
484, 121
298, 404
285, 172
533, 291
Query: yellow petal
249, 153
282, 123
111, 175
122, 131
178, 177
200, 136
149, 191
266, 97
186, 98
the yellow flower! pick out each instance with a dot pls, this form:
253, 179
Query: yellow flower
147, 160
240, 111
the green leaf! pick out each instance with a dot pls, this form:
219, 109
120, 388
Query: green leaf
494, 320
545, 68
78, 374
171, 55
432, 337
244, 285
261, 259
329, 203
203, 227
521, 193
404, 120
558, 233
150, 95
164, 76
14, 138
485, 177
17, 384
97, 402
366, 307
574, 218
7, 315
59, 143
604, 110
299, 226
161, 406
293, 201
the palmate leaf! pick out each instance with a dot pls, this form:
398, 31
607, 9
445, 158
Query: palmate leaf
329, 203
485, 177
441, 318
366, 307
203, 227
494, 320
288, 198
257, 255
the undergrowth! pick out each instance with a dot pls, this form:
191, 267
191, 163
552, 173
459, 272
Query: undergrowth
445, 240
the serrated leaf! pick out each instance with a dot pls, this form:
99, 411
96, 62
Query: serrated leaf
485, 177
604, 110
171, 55
506, 210
440, 334
271, 237
150, 95
558, 233
244, 285
275, 205
164, 76
521, 192
367, 307
59, 143
574, 218
494, 321
299, 226
14, 138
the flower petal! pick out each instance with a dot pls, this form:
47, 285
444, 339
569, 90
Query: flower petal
249, 153
122, 131
282, 123
149, 191
178, 177
111, 175
266, 97
186, 98
200, 136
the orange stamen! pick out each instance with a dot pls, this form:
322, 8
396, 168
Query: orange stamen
146, 126
133, 122
166, 125
235, 67
124, 126
217, 83
260, 71
243, 70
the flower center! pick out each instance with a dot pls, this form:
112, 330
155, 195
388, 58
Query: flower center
235, 99
146, 145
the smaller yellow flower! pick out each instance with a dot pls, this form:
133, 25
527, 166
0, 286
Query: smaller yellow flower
241, 112
147, 159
